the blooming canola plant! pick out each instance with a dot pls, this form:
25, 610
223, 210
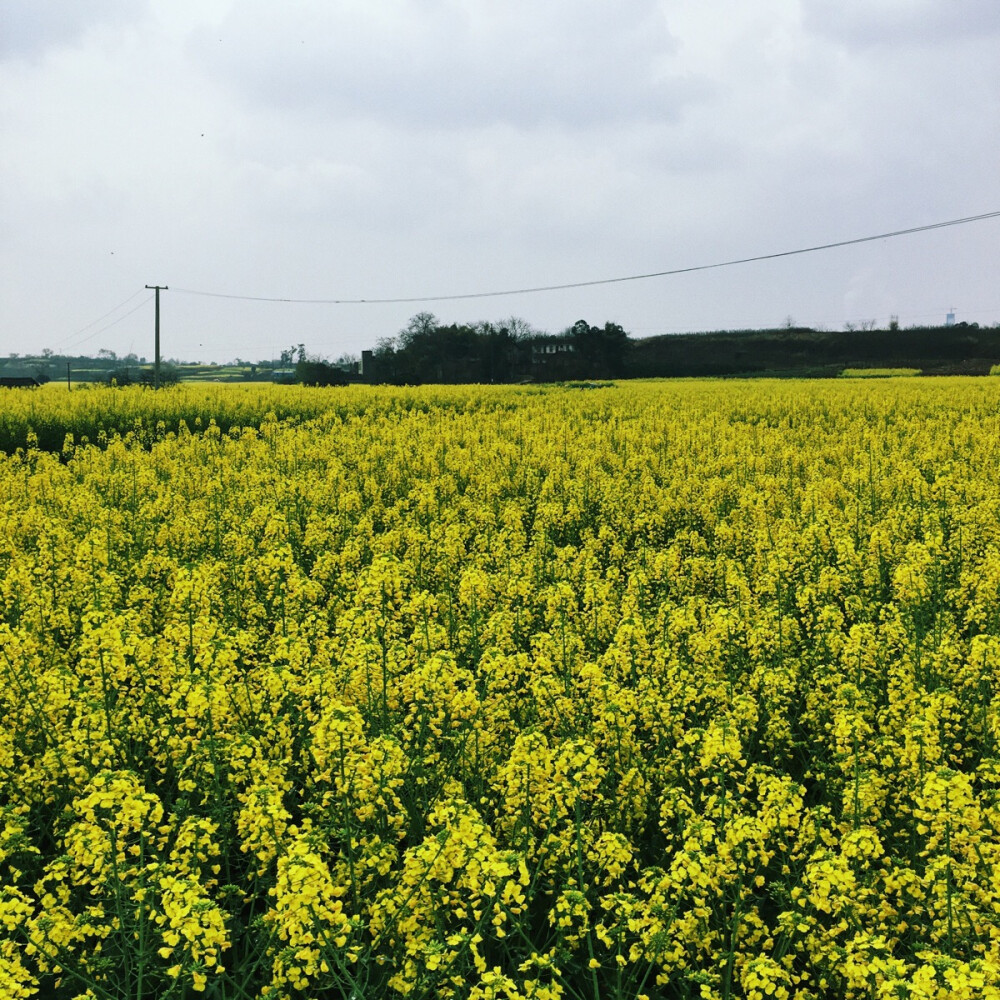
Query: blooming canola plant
657, 690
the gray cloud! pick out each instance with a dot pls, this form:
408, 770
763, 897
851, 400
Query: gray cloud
443, 65
866, 23
32, 26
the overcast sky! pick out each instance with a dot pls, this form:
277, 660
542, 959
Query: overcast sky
349, 149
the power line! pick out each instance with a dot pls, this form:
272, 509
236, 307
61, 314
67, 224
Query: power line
94, 322
603, 281
108, 326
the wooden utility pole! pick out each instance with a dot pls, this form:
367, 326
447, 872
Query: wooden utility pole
156, 357
69, 384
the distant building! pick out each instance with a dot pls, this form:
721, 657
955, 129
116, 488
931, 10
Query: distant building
949, 319
553, 345
283, 376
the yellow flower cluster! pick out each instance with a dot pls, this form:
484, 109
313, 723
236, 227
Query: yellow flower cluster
501, 693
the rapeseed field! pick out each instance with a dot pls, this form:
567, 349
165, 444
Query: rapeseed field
495, 693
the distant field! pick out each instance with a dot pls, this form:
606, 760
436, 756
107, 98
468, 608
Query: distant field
217, 373
879, 372
192, 373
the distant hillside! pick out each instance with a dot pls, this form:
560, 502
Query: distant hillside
940, 350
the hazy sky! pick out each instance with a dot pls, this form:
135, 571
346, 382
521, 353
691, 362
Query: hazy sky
322, 149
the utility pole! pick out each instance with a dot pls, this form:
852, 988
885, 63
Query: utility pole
69, 383
156, 357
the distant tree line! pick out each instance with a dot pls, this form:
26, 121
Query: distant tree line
963, 348
311, 369
511, 350
506, 351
